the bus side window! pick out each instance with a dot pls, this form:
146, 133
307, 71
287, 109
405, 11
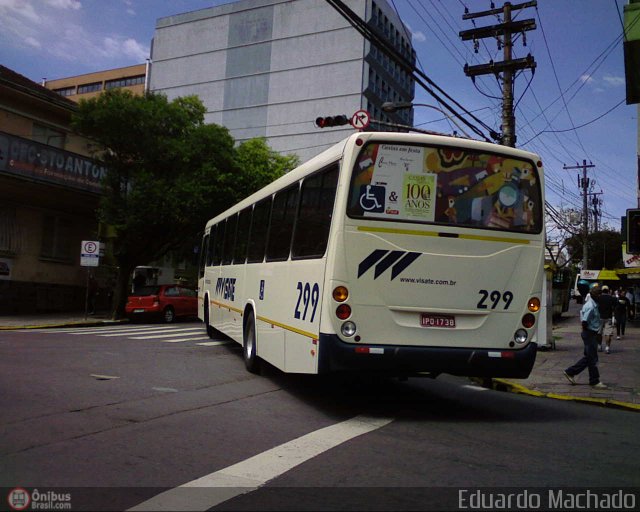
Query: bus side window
221, 229
314, 216
242, 238
281, 225
259, 227
204, 252
229, 240
211, 245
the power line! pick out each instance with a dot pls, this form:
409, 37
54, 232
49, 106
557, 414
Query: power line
419, 76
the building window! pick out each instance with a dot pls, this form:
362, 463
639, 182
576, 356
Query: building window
85, 88
48, 136
124, 82
66, 91
56, 238
9, 232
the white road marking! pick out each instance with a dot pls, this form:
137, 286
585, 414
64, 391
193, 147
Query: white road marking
475, 388
111, 329
213, 343
181, 332
186, 339
103, 377
250, 474
154, 331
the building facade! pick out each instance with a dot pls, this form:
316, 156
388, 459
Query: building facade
269, 68
133, 78
49, 191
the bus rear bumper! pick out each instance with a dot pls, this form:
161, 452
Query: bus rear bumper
336, 355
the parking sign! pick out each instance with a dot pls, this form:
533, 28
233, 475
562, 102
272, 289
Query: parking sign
89, 253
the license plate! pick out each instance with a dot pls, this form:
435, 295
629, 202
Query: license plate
427, 320
138, 310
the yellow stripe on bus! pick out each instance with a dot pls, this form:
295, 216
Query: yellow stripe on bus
436, 233
268, 321
289, 328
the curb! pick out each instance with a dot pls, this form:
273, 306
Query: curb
512, 387
82, 323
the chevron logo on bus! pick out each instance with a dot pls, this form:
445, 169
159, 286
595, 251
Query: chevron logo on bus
382, 259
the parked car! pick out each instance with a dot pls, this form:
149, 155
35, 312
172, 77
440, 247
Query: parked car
165, 302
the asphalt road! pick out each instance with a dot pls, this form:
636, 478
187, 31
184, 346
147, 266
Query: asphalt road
116, 416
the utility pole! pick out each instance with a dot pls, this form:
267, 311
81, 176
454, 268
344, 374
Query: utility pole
597, 213
508, 66
584, 184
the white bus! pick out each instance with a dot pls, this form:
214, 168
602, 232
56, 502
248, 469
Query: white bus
394, 253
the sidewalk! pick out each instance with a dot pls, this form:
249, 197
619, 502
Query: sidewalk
44, 320
620, 370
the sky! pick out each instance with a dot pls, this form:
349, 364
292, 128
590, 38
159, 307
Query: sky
572, 109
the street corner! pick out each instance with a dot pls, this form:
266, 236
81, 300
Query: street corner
508, 386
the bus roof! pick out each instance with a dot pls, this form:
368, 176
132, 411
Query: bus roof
335, 152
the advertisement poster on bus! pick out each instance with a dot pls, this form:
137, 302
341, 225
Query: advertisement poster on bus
409, 191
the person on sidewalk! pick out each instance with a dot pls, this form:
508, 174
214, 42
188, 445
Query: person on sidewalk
591, 324
620, 313
631, 303
606, 305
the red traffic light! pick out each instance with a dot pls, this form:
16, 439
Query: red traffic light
329, 121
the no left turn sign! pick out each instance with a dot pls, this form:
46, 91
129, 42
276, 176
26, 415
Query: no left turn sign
360, 120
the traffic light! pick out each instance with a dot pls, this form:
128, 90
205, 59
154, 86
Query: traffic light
633, 231
329, 121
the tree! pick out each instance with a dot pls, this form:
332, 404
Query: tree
256, 165
604, 249
166, 171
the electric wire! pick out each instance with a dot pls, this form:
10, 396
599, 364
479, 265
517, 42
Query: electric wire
421, 78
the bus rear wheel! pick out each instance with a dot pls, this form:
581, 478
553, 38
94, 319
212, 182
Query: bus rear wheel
211, 332
251, 360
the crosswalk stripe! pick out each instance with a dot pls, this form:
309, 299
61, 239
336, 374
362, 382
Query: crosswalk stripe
213, 343
158, 335
186, 339
152, 331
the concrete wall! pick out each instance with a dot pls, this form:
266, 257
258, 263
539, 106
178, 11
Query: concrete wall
266, 68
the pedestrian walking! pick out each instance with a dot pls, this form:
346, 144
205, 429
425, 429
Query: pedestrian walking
631, 299
591, 324
606, 305
620, 313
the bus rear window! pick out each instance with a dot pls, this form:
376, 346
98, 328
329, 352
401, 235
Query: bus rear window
445, 185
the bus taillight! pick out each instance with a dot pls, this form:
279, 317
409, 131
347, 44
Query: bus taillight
528, 320
343, 311
534, 304
340, 293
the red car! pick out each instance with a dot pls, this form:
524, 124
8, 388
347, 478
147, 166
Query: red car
164, 301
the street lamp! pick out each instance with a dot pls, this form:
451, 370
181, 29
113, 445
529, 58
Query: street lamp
390, 106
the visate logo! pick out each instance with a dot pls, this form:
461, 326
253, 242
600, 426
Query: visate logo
382, 259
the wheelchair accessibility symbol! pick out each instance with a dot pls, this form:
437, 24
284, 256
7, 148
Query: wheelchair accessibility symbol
372, 198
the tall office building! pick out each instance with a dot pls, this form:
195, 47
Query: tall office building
269, 68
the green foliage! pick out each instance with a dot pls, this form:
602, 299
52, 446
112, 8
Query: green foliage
168, 172
604, 249
258, 165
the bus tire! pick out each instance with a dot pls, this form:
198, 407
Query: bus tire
211, 332
249, 346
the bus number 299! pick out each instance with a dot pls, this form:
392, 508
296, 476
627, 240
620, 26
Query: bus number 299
308, 295
494, 297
